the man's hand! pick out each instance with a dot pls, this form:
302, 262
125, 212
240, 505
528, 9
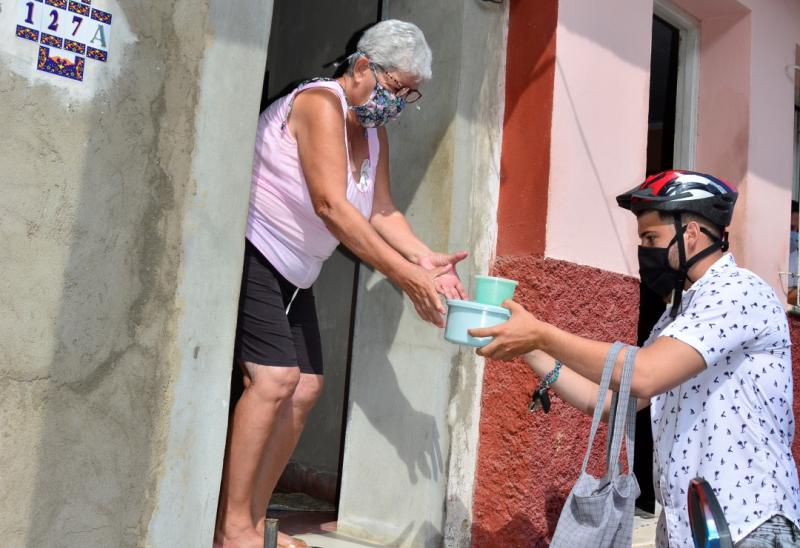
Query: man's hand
447, 282
515, 337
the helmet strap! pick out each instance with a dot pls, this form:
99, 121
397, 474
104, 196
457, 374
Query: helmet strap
718, 243
686, 265
680, 279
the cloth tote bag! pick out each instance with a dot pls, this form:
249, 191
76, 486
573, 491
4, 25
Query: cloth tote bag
599, 511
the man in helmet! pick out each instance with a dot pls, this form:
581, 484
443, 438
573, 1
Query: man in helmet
716, 368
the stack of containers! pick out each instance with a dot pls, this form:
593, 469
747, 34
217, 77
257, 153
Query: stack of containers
490, 292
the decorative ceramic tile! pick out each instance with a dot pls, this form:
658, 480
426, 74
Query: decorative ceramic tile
61, 66
75, 47
71, 26
27, 33
102, 16
81, 9
98, 54
50, 40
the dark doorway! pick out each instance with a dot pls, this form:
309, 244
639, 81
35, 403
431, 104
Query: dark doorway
660, 156
663, 96
306, 37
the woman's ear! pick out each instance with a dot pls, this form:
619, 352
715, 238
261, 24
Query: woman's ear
361, 69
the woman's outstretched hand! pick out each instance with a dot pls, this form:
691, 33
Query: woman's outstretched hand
419, 284
447, 281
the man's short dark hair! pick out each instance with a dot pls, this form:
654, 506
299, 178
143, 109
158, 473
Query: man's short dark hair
795, 206
686, 217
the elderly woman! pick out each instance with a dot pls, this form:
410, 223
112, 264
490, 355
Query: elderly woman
320, 177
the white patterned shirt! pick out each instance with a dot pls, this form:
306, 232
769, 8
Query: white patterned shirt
731, 424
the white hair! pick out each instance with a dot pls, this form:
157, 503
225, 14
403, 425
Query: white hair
397, 45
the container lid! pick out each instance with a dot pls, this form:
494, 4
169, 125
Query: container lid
477, 306
496, 279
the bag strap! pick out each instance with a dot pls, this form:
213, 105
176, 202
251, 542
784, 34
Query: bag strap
624, 424
630, 427
630, 435
605, 380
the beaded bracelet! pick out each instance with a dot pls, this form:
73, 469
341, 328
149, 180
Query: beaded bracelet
540, 396
552, 375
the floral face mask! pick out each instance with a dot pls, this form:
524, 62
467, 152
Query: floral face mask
381, 107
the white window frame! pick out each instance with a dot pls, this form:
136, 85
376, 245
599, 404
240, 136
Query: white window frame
796, 163
685, 145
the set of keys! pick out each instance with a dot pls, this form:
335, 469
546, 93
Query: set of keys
540, 398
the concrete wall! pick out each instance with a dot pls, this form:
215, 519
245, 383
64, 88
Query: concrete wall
414, 399
124, 200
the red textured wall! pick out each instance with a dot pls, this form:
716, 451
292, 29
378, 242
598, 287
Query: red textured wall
525, 159
528, 462
794, 331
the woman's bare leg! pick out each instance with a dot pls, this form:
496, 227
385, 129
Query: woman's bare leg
253, 423
286, 432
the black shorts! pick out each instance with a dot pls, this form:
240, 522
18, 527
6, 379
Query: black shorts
265, 334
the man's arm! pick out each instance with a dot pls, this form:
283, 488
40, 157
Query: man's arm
662, 365
578, 391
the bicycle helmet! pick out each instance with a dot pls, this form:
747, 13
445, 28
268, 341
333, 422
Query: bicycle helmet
683, 192
677, 192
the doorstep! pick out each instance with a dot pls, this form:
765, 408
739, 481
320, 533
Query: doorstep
317, 529
311, 520
644, 529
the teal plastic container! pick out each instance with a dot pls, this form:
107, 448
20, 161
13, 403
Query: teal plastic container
464, 315
493, 291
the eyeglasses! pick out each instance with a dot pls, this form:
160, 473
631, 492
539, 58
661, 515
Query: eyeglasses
409, 95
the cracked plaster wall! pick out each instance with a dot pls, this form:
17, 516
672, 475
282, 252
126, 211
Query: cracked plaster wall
112, 203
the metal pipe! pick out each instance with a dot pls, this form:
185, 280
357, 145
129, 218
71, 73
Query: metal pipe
271, 533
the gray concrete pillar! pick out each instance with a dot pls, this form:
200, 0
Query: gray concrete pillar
124, 198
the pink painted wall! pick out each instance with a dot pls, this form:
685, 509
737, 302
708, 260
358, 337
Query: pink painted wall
723, 111
745, 119
599, 130
775, 35
599, 125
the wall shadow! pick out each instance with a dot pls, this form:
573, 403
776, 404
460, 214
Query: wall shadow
392, 415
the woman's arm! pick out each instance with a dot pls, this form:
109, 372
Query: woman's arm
393, 227
318, 127
387, 220
578, 391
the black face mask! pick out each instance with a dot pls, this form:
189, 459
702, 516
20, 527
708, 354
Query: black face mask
655, 271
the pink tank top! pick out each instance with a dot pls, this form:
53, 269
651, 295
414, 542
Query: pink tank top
281, 222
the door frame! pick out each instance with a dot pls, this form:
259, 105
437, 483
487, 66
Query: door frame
685, 143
